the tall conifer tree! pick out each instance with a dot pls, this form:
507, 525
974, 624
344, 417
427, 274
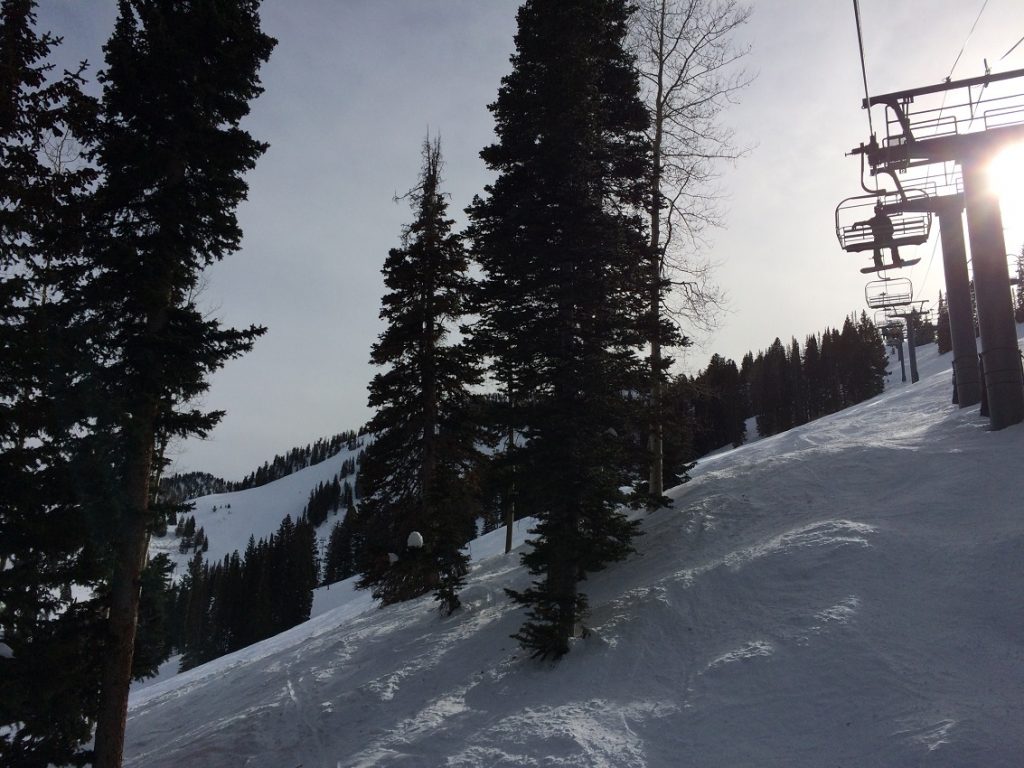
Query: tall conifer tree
720, 406
562, 247
415, 475
812, 376
179, 79
47, 682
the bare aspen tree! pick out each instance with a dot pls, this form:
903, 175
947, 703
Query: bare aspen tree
690, 70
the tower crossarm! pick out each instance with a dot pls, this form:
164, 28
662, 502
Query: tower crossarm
976, 117
948, 85
954, 148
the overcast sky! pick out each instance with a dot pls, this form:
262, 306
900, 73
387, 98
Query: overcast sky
354, 85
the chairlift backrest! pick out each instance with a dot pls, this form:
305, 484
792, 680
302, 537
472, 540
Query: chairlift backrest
855, 232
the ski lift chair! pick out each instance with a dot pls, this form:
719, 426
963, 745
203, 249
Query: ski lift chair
856, 230
889, 293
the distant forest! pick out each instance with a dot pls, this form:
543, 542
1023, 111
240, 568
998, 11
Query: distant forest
780, 387
182, 486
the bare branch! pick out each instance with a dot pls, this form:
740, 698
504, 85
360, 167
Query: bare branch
690, 69
687, 62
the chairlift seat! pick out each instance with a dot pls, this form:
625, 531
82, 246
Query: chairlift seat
852, 242
890, 300
889, 292
855, 234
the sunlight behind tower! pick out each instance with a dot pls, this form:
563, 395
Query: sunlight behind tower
1006, 175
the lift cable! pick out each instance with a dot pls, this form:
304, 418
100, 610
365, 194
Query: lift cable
966, 40
863, 68
1012, 49
942, 106
928, 269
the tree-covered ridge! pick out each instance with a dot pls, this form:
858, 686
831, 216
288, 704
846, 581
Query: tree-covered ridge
781, 387
219, 607
835, 370
182, 486
298, 458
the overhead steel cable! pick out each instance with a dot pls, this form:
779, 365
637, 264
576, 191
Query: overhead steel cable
863, 67
1012, 49
966, 40
942, 106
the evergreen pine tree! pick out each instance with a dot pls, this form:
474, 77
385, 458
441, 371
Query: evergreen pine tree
812, 377
195, 634
255, 617
415, 474
299, 576
873, 359
862, 360
178, 80
562, 248
721, 400
746, 377
219, 618
48, 687
772, 381
152, 646
339, 561
681, 445
797, 385
756, 382
831, 377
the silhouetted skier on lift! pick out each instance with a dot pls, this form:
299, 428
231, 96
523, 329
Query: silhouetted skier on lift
882, 232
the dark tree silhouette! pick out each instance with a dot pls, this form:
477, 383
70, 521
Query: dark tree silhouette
48, 683
415, 475
178, 81
562, 248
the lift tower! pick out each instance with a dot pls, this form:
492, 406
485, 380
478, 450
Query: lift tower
969, 132
948, 209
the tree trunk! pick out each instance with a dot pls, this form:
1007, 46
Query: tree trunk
130, 547
130, 554
563, 575
510, 498
656, 479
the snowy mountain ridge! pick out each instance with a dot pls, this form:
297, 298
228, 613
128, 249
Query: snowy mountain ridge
847, 593
230, 518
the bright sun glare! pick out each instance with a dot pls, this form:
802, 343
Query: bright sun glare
1006, 174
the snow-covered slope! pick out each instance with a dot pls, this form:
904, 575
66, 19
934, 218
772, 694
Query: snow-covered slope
228, 519
849, 593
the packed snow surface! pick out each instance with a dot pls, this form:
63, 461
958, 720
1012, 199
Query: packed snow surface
849, 593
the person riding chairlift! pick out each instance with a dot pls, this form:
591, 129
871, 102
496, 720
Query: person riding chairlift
882, 231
